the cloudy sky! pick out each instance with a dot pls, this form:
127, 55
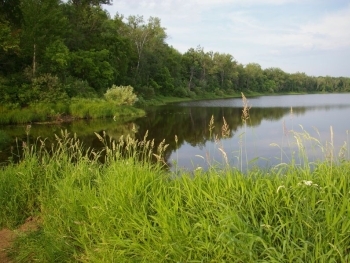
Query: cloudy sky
311, 36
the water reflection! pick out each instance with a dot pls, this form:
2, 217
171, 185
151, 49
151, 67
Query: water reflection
270, 120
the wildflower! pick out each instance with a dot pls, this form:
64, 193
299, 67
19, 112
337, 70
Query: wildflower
307, 183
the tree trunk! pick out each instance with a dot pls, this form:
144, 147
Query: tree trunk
34, 60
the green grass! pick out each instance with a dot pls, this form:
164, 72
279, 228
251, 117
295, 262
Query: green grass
76, 108
98, 108
130, 210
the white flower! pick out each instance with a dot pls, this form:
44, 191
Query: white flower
307, 183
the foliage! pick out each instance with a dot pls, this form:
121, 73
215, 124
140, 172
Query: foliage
47, 88
121, 95
56, 57
75, 87
98, 108
79, 43
94, 67
8, 40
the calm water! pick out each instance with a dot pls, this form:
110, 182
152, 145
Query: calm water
268, 139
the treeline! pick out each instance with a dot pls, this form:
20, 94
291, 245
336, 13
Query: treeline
53, 50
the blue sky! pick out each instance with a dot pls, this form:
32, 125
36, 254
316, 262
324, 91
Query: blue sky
311, 36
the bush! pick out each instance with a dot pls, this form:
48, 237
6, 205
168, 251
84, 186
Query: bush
198, 91
45, 88
180, 92
219, 92
75, 87
121, 95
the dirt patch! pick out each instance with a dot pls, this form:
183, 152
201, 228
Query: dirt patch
7, 237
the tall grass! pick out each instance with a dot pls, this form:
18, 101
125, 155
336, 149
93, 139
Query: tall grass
76, 108
98, 108
129, 209
38, 112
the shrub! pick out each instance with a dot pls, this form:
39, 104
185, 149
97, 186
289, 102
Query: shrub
121, 95
180, 92
75, 87
219, 92
45, 88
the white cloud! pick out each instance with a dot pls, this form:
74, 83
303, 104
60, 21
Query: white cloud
328, 32
331, 31
262, 31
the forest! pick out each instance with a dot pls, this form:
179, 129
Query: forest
55, 50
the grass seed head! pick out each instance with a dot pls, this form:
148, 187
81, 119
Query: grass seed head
246, 108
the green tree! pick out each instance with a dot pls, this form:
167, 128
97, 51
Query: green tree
56, 58
142, 34
255, 77
90, 2
278, 77
224, 67
192, 67
9, 39
86, 26
10, 21
93, 66
43, 23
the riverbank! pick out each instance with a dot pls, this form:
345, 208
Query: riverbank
162, 100
66, 111
75, 109
129, 209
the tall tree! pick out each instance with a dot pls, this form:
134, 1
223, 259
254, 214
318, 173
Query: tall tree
224, 65
192, 66
10, 22
90, 2
43, 23
255, 78
142, 34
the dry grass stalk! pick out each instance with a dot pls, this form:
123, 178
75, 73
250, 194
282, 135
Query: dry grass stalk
246, 108
224, 155
225, 131
211, 124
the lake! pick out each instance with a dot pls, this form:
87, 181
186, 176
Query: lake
318, 123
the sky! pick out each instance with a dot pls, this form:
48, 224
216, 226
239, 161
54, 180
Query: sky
310, 36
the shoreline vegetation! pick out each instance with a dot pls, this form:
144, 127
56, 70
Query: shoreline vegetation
66, 112
117, 103
129, 208
80, 108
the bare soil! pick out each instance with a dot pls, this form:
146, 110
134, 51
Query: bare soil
7, 237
